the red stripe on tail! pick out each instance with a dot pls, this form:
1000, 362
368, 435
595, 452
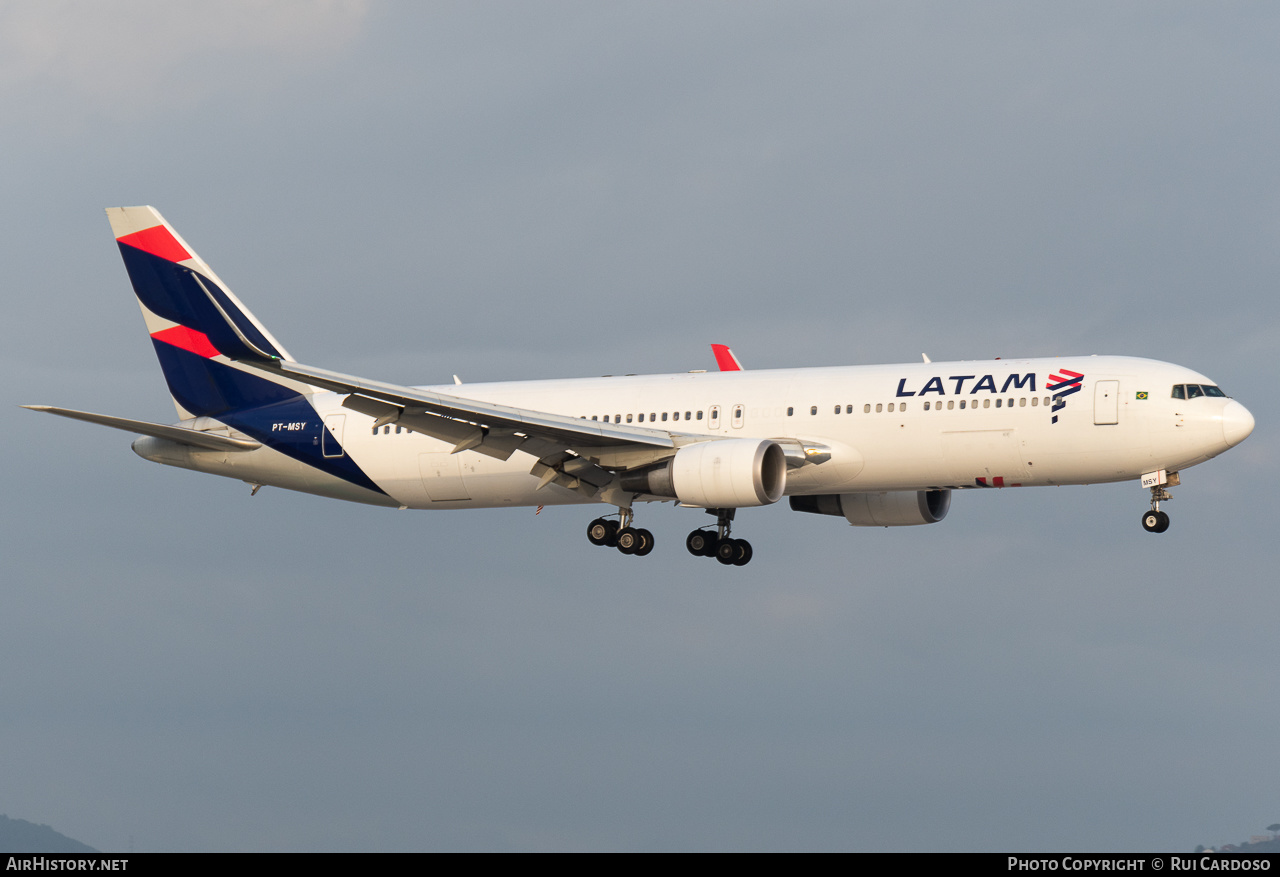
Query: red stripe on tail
157, 241
187, 339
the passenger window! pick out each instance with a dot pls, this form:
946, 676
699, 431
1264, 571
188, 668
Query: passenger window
1022, 403
837, 409
997, 403
986, 403
961, 404
699, 415
951, 403
790, 411
866, 409
879, 407
890, 407
664, 417
386, 430
628, 418
688, 416
848, 409
902, 406
926, 406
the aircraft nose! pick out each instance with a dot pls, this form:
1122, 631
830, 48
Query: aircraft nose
1237, 423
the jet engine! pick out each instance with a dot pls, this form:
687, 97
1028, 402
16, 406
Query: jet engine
894, 508
723, 474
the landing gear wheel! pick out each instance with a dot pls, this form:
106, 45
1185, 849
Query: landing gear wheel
1155, 521
744, 553
727, 551
601, 532
701, 543
646, 543
629, 540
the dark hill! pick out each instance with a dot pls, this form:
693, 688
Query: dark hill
21, 836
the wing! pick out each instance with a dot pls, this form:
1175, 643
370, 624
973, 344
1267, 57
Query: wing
579, 454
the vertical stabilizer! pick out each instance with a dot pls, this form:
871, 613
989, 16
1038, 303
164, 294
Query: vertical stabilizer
197, 325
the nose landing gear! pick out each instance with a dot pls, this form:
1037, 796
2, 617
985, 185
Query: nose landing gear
1156, 521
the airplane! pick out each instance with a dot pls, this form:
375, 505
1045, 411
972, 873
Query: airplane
879, 445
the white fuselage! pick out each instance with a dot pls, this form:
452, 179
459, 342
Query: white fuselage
887, 427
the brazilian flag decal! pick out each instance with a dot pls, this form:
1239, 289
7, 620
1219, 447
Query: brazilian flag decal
1142, 394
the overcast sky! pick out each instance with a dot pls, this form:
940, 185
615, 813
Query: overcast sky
501, 190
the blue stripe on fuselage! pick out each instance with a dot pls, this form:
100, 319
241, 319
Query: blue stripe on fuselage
304, 443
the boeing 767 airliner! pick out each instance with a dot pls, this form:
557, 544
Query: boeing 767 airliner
881, 445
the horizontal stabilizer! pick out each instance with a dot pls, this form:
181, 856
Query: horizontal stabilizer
196, 438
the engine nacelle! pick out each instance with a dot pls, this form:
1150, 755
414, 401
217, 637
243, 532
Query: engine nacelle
894, 508
724, 474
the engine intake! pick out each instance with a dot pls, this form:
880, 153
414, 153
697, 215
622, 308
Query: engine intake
723, 474
894, 508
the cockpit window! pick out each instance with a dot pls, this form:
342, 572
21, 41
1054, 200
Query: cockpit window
1194, 391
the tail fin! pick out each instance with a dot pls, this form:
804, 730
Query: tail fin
197, 325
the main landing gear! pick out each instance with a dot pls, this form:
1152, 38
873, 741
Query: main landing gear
730, 552
620, 535
703, 542
1156, 521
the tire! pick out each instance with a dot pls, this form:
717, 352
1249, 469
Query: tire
1151, 521
744, 553
1164, 522
646, 543
628, 540
599, 531
727, 551
697, 543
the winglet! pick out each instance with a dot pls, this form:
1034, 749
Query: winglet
725, 359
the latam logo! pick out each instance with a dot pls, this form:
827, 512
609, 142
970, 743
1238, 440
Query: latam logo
1062, 386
